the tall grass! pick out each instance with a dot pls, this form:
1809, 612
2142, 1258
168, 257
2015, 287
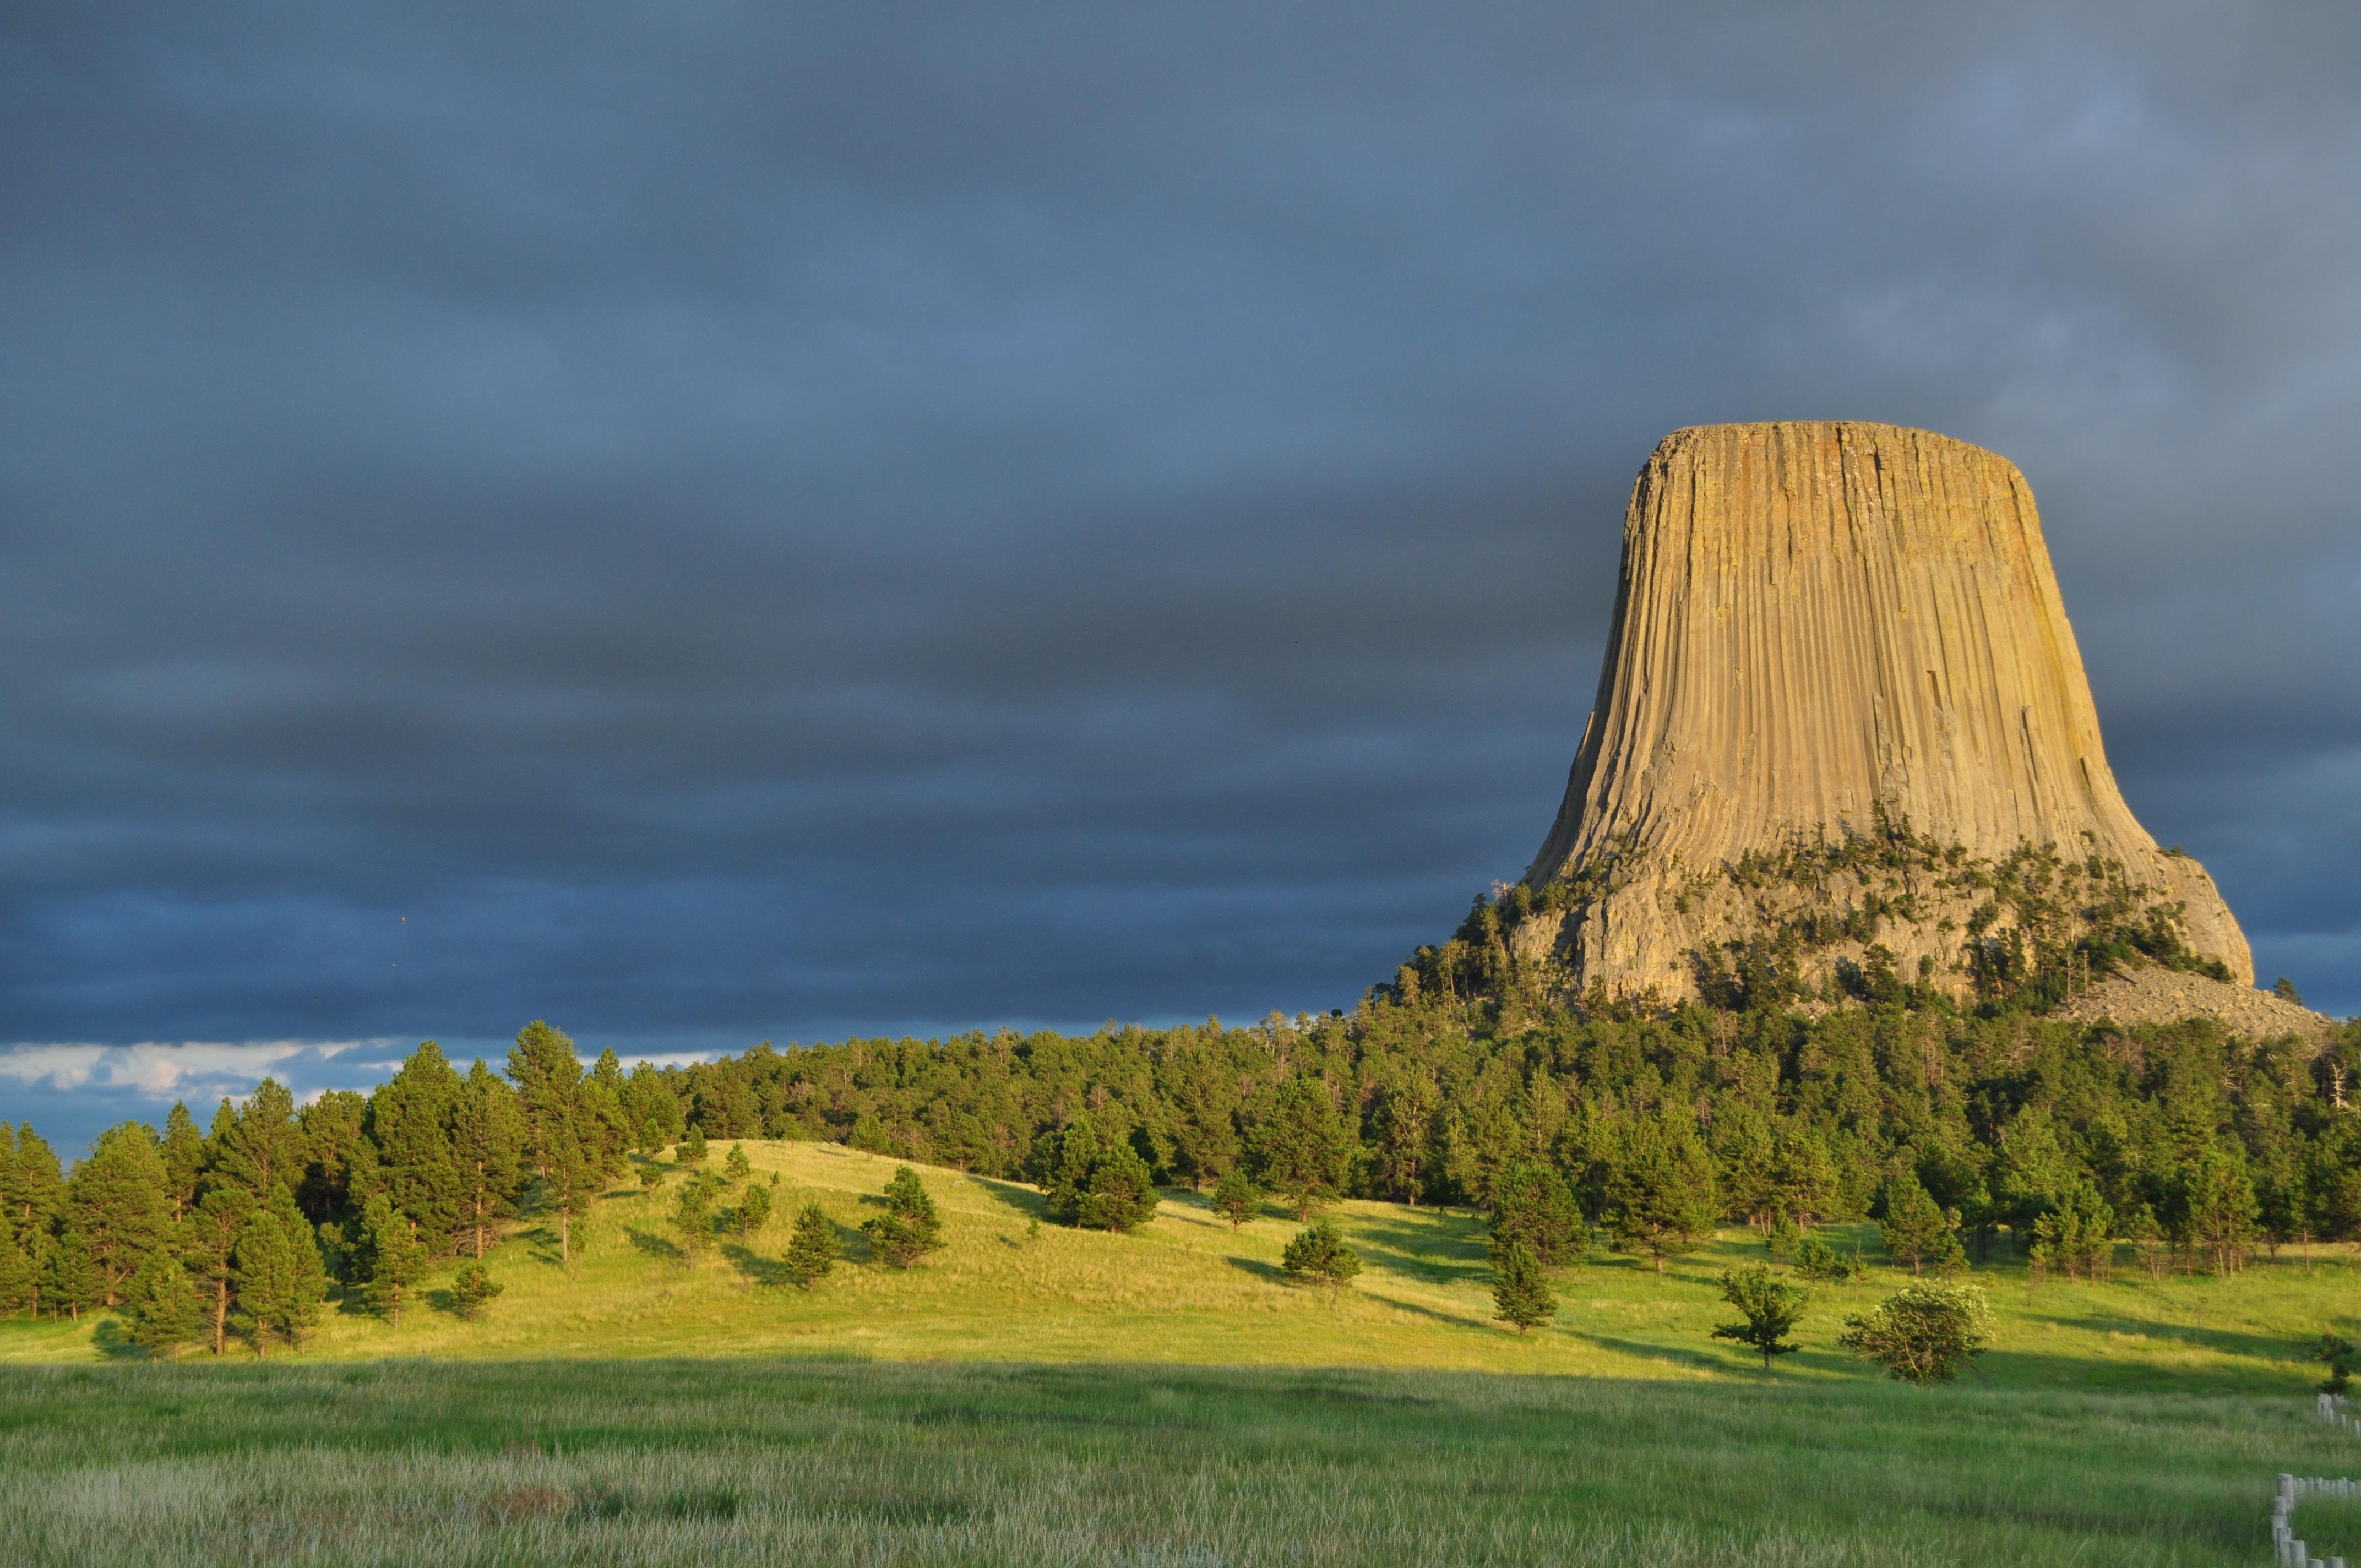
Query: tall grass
746, 1460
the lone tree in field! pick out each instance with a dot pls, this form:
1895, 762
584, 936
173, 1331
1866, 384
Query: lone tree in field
1521, 1287
1301, 1148
1318, 1255
473, 1289
393, 1257
1532, 1207
1915, 1228
1922, 1334
909, 1228
811, 1251
737, 1168
692, 1150
1660, 1186
1235, 1198
161, 1309
692, 1216
753, 1211
1768, 1309
1098, 1184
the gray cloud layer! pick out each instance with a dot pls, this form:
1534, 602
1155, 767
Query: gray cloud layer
756, 522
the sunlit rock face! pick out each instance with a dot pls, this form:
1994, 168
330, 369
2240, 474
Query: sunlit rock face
1821, 626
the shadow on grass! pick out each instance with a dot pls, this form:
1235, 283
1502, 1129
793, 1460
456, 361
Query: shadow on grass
109, 1340
543, 1239
1023, 1201
755, 1266
1410, 1251
1270, 1272
651, 1244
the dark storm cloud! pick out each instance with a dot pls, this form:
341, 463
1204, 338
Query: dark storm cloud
716, 524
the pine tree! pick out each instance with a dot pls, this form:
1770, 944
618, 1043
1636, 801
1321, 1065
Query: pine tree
753, 1210
561, 1133
1093, 1183
488, 1139
737, 1168
1660, 1191
1532, 1207
69, 1277
472, 1291
184, 1159
160, 1311
32, 1191
1521, 1289
692, 1150
261, 1146
609, 1125
1405, 1129
1913, 1228
394, 1258
209, 1239
1768, 1310
409, 1124
262, 1279
1317, 1254
1235, 1198
338, 1159
1782, 1239
1301, 1149
692, 1216
117, 1201
909, 1228
811, 1250
18, 1280
1924, 1334
310, 1275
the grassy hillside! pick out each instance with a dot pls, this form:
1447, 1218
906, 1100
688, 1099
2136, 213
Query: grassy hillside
1187, 1288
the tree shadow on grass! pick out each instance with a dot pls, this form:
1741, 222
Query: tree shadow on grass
1260, 1270
109, 1340
1022, 1200
543, 1239
1412, 1251
755, 1266
651, 1244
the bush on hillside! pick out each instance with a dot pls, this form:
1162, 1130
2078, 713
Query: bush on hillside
1318, 1255
1922, 1333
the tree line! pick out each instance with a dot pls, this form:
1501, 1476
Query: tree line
1972, 1129
242, 1229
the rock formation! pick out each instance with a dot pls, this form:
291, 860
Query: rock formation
1841, 702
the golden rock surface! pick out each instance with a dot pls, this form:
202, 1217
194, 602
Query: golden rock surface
1815, 619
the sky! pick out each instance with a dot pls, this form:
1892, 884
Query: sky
709, 524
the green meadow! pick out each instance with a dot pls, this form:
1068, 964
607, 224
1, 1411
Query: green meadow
1036, 1394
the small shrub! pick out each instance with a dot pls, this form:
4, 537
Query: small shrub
473, 1289
692, 1150
1318, 1255
737, 1168
1783, 1238
1816, 1259
2339, 1354
752, 1212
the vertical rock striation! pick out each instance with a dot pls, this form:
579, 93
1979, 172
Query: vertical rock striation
1823, 628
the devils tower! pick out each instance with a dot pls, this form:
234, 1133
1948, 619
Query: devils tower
1841, 704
